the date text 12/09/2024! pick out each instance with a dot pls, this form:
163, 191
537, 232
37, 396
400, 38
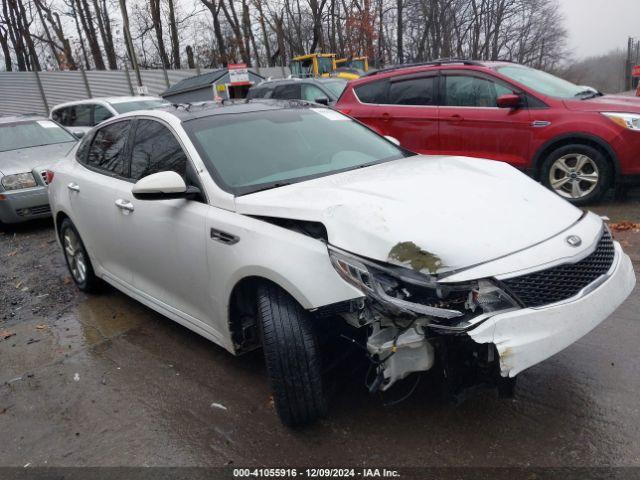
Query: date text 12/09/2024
315, 473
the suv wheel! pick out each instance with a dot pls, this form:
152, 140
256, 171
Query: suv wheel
77, 258
292, 357
579, 173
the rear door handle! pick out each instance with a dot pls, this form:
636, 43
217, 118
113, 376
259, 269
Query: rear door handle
73, 187
124, 205
385, 117
456, 118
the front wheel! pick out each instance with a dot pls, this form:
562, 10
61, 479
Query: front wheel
292, 357
579, 173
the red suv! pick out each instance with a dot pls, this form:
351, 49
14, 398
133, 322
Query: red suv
575, 140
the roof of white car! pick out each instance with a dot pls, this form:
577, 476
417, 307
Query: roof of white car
21, 118
190, 111
112, 100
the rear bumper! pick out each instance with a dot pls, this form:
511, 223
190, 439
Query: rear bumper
22, 205
526, 337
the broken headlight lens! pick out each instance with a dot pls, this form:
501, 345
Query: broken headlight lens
405, 291
489, 298
18, 181
352, 270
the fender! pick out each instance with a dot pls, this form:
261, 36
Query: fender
579, 136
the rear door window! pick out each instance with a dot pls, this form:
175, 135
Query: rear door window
414, 91
107, 151
287, 92
257, 92
100, 114
156, 149
83, 116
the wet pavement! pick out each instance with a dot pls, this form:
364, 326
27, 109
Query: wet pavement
101, 380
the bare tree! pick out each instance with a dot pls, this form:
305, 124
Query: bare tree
156, 17
86, 20
214, 7
173, 30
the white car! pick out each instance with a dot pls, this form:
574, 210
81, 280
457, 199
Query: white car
81, 115
264, 223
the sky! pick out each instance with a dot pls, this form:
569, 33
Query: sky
598, 26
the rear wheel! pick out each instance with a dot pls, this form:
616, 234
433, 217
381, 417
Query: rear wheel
292, 356
579, 173
77, 258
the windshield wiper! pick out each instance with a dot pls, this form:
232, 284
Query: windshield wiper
588, 94
269, 187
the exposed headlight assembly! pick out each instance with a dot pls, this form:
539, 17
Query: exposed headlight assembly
404, 291
630, 121
18, 181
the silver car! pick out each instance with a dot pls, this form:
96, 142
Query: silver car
28, 145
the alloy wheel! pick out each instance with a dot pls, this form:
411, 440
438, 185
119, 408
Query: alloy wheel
574, 176
75, 255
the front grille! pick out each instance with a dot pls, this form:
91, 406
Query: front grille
564, 281
40, 209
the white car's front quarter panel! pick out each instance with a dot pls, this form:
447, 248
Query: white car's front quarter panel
298, 263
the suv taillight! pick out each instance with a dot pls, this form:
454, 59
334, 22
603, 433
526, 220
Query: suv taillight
49, 176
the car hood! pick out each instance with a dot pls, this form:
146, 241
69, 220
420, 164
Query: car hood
606, 103
26, 159
430, 213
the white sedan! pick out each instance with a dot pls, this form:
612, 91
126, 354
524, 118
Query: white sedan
264, 223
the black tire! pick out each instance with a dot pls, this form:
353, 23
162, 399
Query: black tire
604, 172
89, 283
292, 357
507, 387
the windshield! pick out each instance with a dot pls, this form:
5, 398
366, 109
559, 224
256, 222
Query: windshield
336, 87
254, 151
302, 68
325, 65
33, 133
543, 82
124, 107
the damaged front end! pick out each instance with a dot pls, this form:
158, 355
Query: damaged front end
413, 320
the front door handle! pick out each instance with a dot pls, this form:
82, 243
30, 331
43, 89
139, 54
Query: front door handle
386, 117
124, 205
74, 187
456, 118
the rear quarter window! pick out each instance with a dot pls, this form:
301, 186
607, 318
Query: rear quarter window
373, 92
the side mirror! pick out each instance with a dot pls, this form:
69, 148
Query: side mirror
79, 134
163, 186
509, 101
393, 140
322, 101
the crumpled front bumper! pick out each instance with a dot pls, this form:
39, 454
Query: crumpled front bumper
526, 337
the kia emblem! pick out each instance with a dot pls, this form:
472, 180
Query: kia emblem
574, 240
